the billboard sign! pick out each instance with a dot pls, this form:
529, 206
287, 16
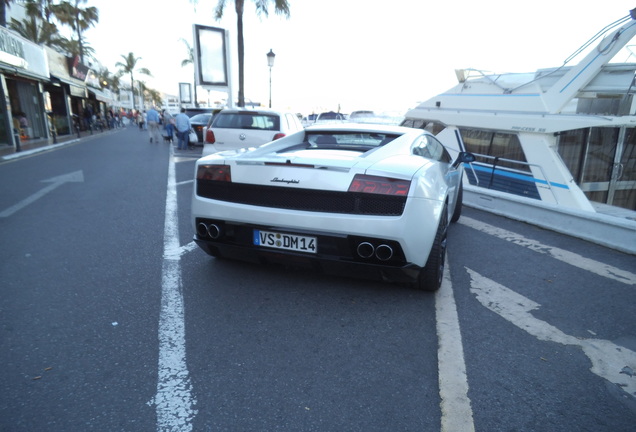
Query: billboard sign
211, 56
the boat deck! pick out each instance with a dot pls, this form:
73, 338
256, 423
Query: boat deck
614, 211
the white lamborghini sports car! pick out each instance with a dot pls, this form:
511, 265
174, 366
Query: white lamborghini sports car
356, 198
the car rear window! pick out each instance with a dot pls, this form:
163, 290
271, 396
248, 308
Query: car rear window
248, 120
331, 116
348, 139
200, 118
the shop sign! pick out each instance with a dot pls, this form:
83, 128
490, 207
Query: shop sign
78, 91
77, 70
18, 52
12, 50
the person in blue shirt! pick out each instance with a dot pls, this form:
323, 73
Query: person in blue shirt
152, 117
183, 125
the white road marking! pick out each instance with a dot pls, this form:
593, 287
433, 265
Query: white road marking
77, 177
174, 400
177, 252
570, 258
608, 359
457, 414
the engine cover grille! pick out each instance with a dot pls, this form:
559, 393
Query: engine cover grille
302, 199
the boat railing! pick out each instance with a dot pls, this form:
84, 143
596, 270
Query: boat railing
509, 165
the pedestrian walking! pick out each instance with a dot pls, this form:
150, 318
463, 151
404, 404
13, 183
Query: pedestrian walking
141, 119
88, 117
152, 117
183, 125
168, 125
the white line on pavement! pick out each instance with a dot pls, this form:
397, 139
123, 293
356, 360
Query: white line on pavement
77, 177
174, 401
457, 414
571, 258
608, 359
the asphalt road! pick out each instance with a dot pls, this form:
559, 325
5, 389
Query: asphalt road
111, 319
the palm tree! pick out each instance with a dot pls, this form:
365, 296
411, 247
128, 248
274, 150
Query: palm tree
155, 97
37, 31
72, 47
37, 26
281, 7
108, 79
129, 67
4, 4
78, 18
187, 61
115, 83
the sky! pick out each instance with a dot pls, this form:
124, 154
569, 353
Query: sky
354, 54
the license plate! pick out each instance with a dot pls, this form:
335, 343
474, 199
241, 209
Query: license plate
292, 242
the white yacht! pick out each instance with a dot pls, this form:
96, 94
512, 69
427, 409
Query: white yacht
563, 139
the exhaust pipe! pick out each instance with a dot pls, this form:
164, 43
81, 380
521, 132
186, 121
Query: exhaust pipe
384, 252
365, 250
214, 231
202, 229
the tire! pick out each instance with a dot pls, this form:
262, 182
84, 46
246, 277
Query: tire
458, 204
430, 277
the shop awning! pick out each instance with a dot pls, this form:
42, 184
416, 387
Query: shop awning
76, 87
101, 95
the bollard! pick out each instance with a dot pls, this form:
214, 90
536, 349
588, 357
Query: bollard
16, 137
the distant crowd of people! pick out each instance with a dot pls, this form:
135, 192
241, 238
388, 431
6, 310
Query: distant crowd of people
94, 120
158, 124
166, 125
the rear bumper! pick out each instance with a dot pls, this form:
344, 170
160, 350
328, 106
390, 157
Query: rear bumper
336, 254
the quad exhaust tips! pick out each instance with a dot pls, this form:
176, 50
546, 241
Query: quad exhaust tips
366, 250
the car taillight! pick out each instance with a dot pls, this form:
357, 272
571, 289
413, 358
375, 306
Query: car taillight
278, 135
379, 185
209, 137
214, 173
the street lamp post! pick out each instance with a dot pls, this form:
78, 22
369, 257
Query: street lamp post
270, 63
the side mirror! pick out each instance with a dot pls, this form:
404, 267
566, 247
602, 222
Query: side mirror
463, 157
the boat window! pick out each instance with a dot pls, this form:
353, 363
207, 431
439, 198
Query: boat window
571, 148
495, 145
625, 195
602, 163
427, 125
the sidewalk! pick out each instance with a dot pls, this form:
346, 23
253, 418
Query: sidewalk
8, 153
29, 147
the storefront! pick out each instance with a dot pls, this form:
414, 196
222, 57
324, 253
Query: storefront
64, 95
100, 99
23, 72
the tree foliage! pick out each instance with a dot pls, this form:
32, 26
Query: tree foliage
129, 66
41, 27
79, 19
281, 7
